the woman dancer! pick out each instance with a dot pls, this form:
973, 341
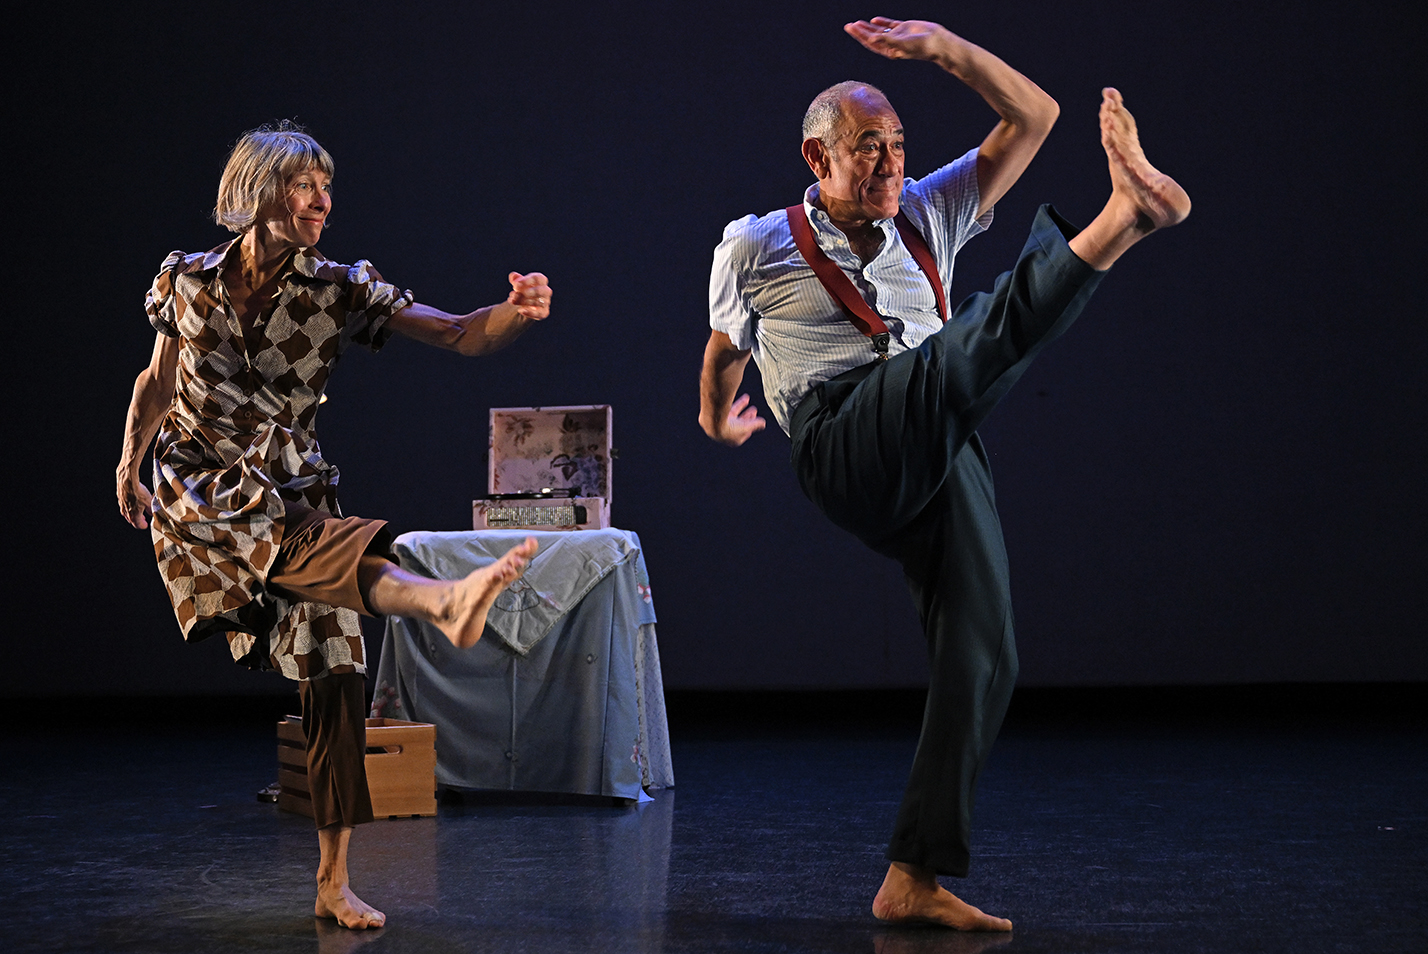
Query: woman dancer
249, 538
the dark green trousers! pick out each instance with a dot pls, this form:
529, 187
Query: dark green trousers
889, 452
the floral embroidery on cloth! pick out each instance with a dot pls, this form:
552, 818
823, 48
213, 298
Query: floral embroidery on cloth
238, 440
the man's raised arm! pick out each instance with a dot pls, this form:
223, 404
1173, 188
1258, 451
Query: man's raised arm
1027, 112
724, 418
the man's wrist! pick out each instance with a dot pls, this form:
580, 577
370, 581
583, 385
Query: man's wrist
710, 423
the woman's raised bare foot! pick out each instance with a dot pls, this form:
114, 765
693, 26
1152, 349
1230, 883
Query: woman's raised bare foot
463, 608
911, 895
350, 911
1156, 199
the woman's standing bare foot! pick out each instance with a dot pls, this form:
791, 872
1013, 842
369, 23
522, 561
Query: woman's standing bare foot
1143, 199
911, 895
462, 611
334, 897
333, 938
350, 911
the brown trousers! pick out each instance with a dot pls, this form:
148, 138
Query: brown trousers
334, 718
320, 555
318, 562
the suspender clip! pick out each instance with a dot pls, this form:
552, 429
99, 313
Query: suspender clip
880, 345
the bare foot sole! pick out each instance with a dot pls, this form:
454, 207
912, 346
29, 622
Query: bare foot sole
349, 910
464, 609
911, 897
1157, 200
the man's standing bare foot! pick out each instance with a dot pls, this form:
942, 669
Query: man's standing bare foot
911, 895
1143, 199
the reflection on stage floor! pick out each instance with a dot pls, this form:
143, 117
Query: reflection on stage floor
1110, 835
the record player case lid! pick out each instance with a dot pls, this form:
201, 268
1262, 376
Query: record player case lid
535, 448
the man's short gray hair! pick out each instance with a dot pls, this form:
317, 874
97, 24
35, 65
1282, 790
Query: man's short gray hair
826, 111
258, 170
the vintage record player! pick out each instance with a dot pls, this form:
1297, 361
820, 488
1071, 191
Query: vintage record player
548, 469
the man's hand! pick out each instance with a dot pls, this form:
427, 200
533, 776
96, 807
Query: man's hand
1026, 112
725, 418
530, 295
135, 501
741, 423
900, 39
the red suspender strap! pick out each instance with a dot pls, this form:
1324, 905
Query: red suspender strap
832, 278
858, 311
915, 243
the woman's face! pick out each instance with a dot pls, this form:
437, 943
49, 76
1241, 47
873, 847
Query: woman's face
296, 218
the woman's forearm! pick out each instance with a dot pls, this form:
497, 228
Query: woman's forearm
146, 410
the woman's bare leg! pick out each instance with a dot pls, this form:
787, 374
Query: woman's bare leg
334, 898
456, 607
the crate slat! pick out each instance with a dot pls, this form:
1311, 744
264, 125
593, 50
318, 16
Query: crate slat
401, 779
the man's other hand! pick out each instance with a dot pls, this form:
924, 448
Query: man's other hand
899, 39
742, 423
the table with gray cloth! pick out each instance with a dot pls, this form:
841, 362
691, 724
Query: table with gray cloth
563, 692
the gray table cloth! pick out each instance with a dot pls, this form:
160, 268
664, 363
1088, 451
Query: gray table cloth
563, 692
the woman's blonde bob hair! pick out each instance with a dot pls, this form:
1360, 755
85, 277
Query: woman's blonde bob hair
258, 169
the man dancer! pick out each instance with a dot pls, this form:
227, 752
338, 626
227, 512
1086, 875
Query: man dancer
841, 303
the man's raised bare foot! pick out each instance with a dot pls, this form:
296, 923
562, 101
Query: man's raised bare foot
1143, 199
1157, 200
911, 895
462, 616
350, 911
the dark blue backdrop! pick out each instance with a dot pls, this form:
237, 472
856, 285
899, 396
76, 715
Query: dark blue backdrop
1216, 477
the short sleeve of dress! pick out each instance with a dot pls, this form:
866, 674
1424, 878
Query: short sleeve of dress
159, 302
371, 302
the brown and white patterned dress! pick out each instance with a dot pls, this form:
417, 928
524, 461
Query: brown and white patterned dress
238, 440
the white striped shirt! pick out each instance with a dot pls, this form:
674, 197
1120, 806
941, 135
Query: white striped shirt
765, 297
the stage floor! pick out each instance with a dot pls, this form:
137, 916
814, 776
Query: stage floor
1105, 835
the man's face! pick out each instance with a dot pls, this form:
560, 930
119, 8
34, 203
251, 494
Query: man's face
864, 162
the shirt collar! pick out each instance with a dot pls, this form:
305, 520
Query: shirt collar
305, 262
213, 259
822, 223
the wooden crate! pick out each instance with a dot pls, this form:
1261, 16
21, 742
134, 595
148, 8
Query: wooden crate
401, 767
